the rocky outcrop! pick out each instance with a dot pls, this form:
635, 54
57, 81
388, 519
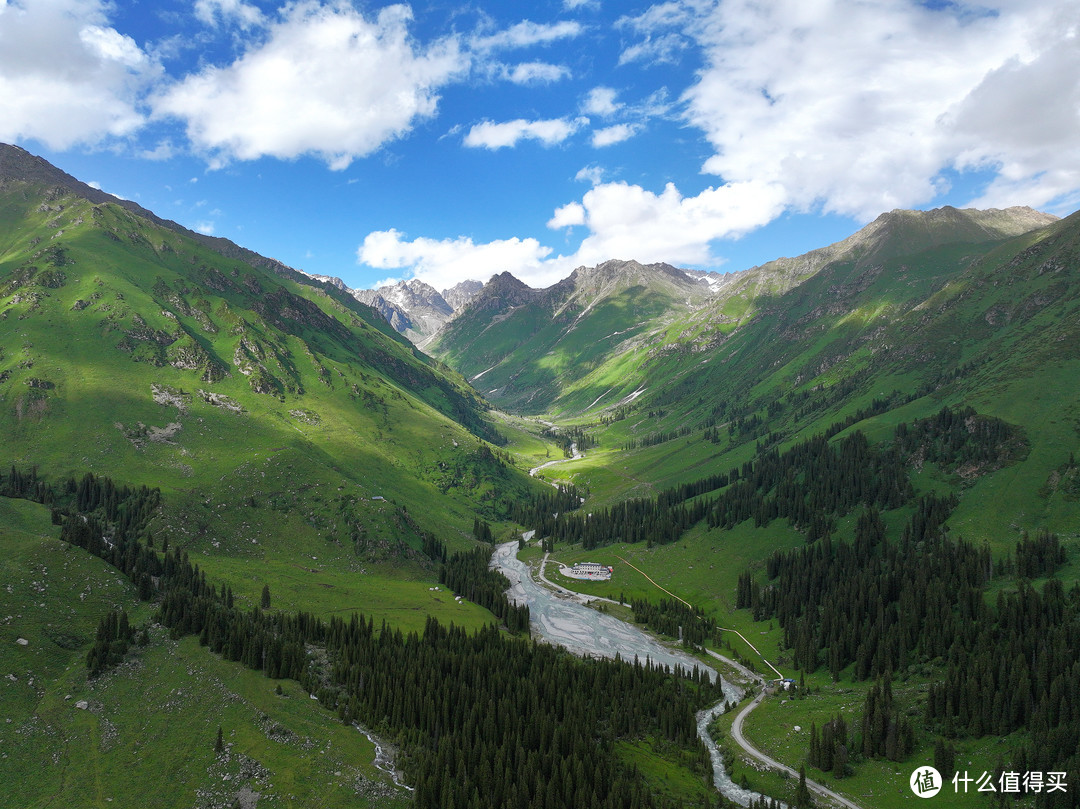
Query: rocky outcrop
460, 295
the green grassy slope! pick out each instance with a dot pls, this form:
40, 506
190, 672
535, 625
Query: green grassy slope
284, 426
897, 335
299, 444
525, 349
144, 734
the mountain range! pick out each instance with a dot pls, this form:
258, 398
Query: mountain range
308, 455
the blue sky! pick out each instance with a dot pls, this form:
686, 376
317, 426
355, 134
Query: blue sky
447, 141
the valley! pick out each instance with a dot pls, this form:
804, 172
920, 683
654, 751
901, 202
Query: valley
861, 460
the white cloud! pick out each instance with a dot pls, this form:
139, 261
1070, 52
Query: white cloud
492, 135
164, 150
245, 14
527, 33
664, 49
326, 81
614, 134
205, 227
443, 263
661, 27
534, 73
592, 174
1023, 120
861, 107
628, 221
601, 101
624, 221
661, 16
66, 76
569, 215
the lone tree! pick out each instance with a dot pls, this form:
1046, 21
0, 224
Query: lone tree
266, 597
219, 745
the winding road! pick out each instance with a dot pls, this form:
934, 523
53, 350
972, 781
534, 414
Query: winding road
753, 752
704, 717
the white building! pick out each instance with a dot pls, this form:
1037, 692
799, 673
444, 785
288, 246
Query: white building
588, 570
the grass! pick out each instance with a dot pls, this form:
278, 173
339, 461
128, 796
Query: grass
318, 490
876, 783
146, 737
666, 771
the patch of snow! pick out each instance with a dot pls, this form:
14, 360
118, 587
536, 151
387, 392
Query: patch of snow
601, 396
483, 372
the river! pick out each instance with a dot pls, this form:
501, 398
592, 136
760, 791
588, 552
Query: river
584, 631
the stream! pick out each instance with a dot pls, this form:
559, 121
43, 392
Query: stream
584, 631
384, 757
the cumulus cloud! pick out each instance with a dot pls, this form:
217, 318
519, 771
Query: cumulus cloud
1022, 120
860, 108
492, 135
443, 263
614, 134
566, 216
325, 81
591, 174
601, 101
623, 220
628, 221
66, 76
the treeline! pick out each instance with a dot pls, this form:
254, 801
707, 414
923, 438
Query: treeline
884, 605
876, 604
1017, 668
543, 503
883, 732
482, 720
467, 574
808, 484
638, 520
961, 437
675, 619
482, 531
127, 509
566, 437
812, 484
652, 439
111, 643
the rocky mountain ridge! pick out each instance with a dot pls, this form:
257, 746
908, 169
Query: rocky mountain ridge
648, 311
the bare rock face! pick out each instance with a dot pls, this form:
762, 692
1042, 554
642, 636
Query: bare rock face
460, 295
394, 314
416, 309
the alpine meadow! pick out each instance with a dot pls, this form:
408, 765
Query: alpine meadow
652, 405
230, 487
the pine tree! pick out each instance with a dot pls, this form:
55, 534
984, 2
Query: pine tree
802, 793
219, 744
266, 597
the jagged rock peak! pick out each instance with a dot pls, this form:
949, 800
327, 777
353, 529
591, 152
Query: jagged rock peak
415, 294
459, 295
503, 290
